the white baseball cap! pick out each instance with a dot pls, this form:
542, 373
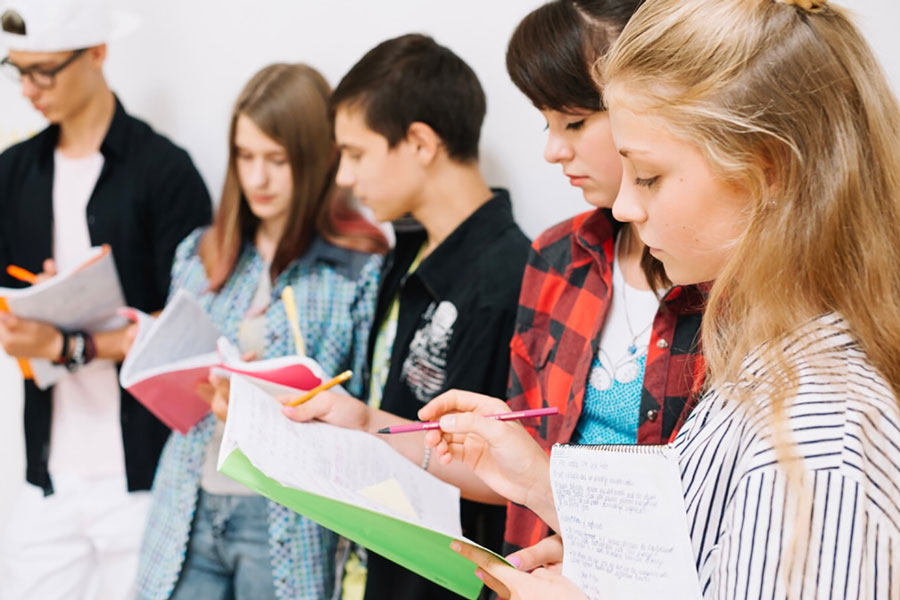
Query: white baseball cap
57, 25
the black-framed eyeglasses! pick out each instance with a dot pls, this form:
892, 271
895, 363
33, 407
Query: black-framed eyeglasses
41, 78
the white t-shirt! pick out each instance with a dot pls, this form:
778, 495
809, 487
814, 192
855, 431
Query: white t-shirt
630, 319
85, 433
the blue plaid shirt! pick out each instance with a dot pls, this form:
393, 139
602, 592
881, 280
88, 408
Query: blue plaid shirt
335, 291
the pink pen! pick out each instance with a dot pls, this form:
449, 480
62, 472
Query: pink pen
510, 416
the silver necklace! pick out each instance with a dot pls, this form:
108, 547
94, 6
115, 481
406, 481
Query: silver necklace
626, 368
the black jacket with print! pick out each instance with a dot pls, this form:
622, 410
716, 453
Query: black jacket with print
456, 317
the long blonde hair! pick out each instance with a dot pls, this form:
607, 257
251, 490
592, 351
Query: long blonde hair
786, 99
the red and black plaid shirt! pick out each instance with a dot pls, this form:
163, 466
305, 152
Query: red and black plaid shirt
563, 304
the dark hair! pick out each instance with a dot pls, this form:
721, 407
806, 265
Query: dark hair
551, 52
289, 103
410, 79
550, 58
12, 22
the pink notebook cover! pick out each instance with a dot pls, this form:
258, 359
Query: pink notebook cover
296, 376
172, 396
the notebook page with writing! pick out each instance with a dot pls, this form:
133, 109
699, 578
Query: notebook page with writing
348, 481
623, 522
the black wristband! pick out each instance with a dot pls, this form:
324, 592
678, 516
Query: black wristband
64, 352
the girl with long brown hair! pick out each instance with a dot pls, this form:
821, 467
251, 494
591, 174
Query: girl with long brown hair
281, 221
761, 150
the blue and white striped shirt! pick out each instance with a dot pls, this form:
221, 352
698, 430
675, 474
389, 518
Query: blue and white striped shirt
845, 425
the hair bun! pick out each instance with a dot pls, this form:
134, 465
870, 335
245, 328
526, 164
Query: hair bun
806, 5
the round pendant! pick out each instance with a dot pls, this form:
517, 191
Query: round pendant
627, 372
632, 349
600, 379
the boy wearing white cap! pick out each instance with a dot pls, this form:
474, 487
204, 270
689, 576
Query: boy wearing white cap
95, 175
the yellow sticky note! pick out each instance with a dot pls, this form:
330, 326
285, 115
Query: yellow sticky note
389, 493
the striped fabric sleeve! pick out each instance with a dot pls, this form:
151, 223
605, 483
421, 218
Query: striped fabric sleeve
834, 532
833, 558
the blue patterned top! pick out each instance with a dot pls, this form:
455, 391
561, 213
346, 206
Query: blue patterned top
610, 406
335, 291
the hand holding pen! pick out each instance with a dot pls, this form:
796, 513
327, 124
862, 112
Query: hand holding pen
502, 453
30, 278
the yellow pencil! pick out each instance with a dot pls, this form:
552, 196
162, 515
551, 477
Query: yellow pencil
290, 307
321, 388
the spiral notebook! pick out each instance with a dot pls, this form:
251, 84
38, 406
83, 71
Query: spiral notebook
623, 522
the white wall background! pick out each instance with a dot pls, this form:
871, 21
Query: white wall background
183, 68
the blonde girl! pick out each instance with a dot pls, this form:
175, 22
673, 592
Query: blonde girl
761, 149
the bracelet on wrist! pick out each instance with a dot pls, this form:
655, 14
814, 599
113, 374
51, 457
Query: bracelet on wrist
64, 349
76, 357
427, 458
90, 349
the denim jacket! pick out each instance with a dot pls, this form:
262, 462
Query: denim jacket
335, 291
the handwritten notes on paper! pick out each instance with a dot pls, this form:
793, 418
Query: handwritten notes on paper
350, 482
622, 519
85, 297
169, 358
335, 462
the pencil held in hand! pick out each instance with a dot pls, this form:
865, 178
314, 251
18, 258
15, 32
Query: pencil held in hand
508, 416
321, 388
290, 307
21, 274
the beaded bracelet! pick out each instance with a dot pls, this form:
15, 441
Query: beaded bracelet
427, 458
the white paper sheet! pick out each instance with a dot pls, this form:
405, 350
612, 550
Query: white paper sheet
182, 337
85, 298
337, 463
623, 523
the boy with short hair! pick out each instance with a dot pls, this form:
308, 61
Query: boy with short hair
95, 176
408, 118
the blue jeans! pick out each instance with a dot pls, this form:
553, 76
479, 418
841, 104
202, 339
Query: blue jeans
228, 552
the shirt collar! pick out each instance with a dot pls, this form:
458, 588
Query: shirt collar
114, 143
687, 299
440, 270
321, 250
116, 140
594, 233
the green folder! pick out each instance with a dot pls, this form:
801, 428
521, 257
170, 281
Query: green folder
421, 550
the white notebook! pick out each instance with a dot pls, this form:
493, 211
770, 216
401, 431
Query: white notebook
83, 298
623, 522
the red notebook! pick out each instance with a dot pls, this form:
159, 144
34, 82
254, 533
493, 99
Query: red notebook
175, 352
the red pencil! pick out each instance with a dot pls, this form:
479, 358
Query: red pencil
510, 416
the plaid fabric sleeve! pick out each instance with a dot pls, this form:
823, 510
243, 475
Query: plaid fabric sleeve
564, 298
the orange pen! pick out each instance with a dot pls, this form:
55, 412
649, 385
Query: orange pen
21, 274
321, 388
